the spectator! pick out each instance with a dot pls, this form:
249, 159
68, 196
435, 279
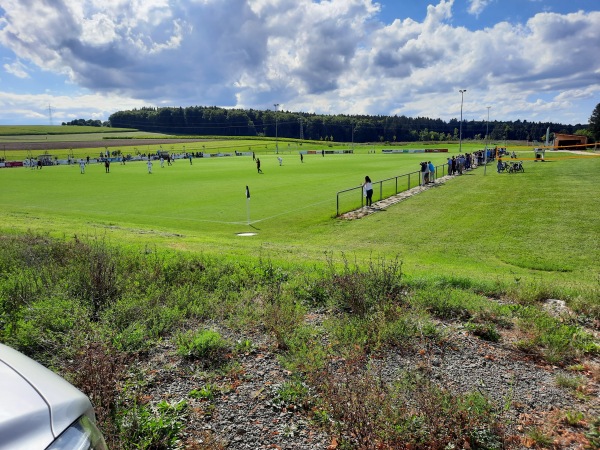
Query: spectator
368, 191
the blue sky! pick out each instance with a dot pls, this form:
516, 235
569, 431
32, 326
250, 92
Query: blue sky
534, 60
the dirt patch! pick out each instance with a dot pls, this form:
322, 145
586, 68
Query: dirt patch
101, 143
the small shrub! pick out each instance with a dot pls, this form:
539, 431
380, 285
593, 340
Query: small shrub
445, 304
282, 317
526, 345
576, 367
361, 291
46, 331
486, 331
305, 352
98, 370
593, 434
568, 382
320, 417
290, 393
243, 346
95, 275
205, 344
557, 342
153, 427
539, 438
207, 392
133, 338
369, 413
312, 292
573, 418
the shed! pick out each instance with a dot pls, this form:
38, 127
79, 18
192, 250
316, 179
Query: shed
569, 141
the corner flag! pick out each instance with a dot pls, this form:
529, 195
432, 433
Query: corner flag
247, 192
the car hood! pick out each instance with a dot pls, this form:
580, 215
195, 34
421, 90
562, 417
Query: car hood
36, 405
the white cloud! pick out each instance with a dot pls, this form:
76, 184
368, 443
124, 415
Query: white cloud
64, 108
17, 68
327, 56
476, 7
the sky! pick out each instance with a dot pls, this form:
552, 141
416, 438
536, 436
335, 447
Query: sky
535, 60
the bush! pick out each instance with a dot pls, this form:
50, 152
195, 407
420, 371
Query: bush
281, 317
205, 344
361, 291
97, 370
370, 413
486, 331
152, 427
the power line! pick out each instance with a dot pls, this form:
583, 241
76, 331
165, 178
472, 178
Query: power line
50, 114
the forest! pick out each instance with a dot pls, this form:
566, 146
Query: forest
217, 121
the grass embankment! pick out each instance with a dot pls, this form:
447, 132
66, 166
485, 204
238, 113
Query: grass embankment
87, 307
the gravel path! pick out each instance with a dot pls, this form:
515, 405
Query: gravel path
245, 414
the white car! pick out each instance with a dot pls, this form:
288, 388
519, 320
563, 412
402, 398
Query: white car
41, 410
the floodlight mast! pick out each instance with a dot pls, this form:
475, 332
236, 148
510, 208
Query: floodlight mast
462, 93
487, 140
276, 105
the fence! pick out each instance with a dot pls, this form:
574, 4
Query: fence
351, 199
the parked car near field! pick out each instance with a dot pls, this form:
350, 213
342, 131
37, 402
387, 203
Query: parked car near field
41, 410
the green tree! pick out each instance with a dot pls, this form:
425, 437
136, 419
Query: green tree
595, 122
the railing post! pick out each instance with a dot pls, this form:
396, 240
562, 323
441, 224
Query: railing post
408, 182
380, 190
337, 204
396, 185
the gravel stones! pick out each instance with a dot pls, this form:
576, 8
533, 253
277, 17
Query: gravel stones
246, 413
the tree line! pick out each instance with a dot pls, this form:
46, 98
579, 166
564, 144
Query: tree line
87, 123
216, 121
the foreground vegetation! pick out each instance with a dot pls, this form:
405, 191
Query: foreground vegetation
86, 308
97, 271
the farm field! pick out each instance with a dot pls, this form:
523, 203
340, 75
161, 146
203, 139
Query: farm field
10, 132
542, 224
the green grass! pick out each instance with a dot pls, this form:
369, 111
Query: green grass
540, 226
142, 258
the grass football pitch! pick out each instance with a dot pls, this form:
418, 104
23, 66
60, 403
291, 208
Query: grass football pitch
543, 223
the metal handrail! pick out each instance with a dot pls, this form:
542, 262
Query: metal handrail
380, 182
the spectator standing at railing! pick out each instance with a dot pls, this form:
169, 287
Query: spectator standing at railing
368, 191
431, 172
461, 164
424, 168
449, 165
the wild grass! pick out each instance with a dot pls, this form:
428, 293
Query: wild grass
145, 297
